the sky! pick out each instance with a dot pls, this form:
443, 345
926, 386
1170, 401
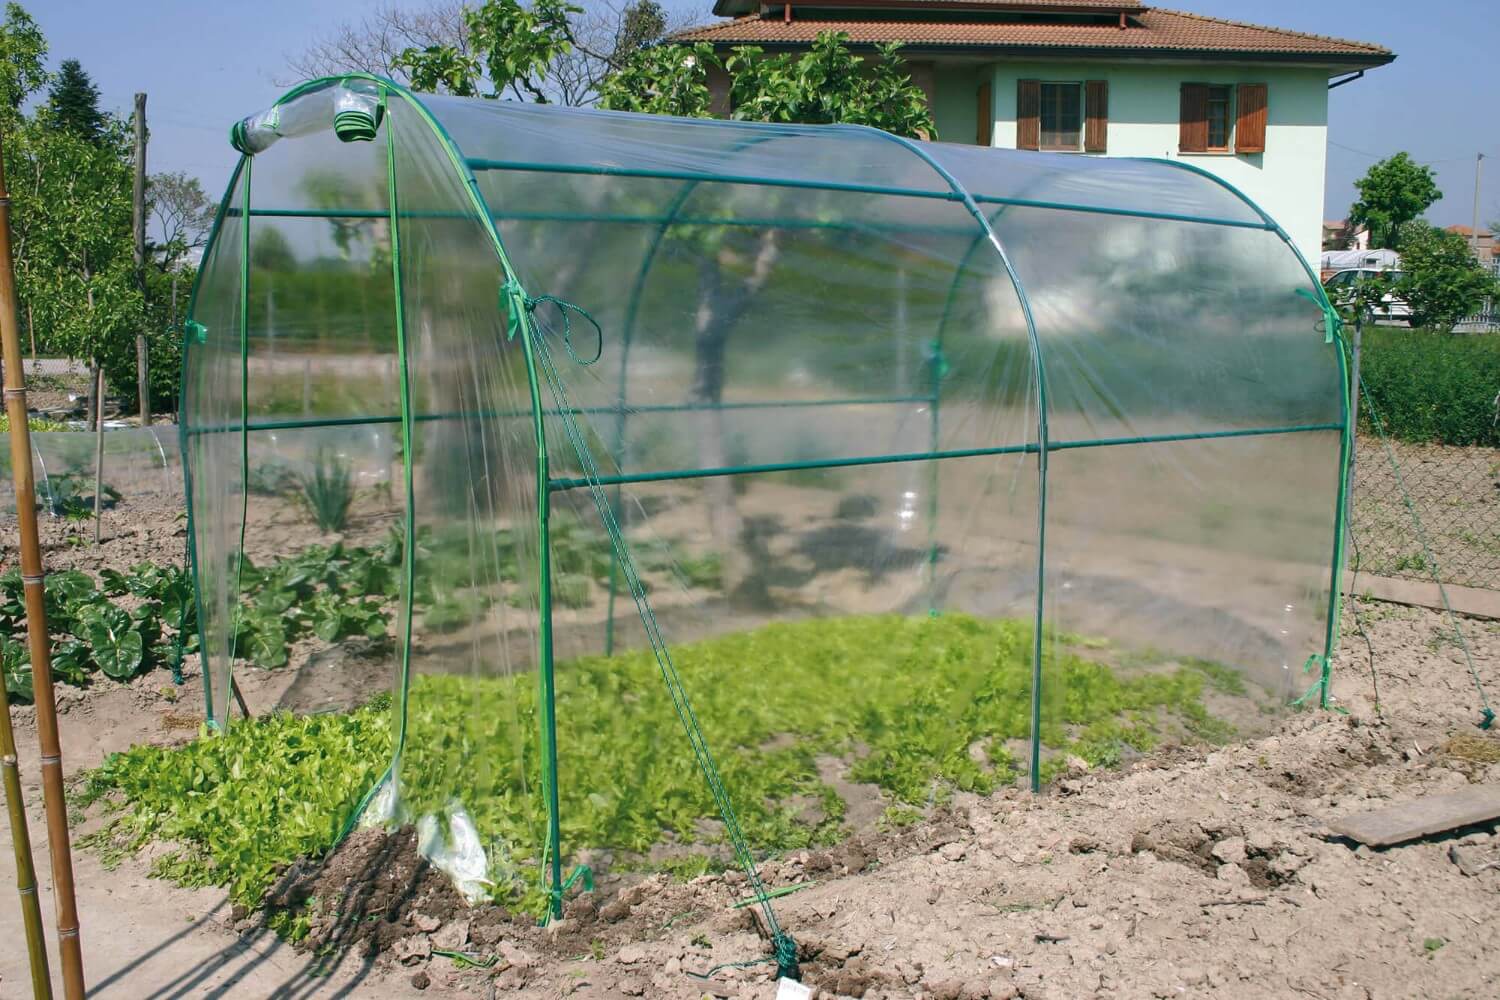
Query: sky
204, 65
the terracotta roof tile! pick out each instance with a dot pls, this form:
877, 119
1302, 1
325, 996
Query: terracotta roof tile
730, 7
1153, 30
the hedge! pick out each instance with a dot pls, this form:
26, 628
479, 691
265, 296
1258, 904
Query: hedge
1431, 387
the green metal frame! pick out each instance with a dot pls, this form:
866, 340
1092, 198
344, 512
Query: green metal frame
188, 338
535, 359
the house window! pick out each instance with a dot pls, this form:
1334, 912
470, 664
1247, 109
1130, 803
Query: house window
1061, 115
1219, 119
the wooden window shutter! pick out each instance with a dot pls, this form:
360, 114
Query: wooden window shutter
984, 125
1192, 133
1028, 114
1250, 126
1096, 116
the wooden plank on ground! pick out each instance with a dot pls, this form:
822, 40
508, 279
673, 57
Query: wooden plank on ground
1424, 594
1421, 817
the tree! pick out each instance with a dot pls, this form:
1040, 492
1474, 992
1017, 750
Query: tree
373, 44
73, 103
510, 48
182, 212
434, 48
1391, 193
23, 52
1441, 279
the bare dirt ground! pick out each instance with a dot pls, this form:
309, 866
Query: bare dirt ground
1191, 873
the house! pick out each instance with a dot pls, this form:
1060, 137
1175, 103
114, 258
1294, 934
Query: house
1338, 234
1103, 77
1484, 246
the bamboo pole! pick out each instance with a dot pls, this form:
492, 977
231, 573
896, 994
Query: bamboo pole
98, 447
36, 620
20, 835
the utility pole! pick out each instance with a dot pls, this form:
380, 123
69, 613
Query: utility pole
1474, 232
142, 379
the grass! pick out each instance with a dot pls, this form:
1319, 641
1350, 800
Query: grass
920, 706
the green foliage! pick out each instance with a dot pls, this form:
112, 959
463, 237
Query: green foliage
23, 55
73, 243
1434, 387
509, 45
73, 103
662, 80
826, 84
1441, 279
328, 491
1393, 192
154, 626
919, 706
327, 591
34, 424
241, 805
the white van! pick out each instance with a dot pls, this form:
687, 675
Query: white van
1340, 287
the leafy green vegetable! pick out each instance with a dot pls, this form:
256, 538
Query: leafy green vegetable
116, 645
918, 707
15, 660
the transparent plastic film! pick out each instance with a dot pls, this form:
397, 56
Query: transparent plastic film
469, 762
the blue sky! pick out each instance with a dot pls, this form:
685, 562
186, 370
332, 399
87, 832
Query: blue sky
205, 64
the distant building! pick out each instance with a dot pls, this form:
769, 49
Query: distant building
1106, 77
1338, 234
1484, 247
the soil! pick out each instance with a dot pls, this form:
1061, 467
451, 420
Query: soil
1188, 872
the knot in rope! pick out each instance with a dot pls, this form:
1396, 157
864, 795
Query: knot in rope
785, 949
1331, 324
516, 302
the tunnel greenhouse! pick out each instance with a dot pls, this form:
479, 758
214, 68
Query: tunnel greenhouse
708, 489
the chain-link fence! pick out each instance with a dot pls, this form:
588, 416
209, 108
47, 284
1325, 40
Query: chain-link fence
1455, 492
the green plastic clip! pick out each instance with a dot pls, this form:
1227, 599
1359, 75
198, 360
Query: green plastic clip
937, 359
196, 332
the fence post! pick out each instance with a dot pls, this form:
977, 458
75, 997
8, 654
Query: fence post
1354, 384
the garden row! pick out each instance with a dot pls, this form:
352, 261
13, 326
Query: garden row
916, 707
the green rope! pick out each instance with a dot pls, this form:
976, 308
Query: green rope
516, 301
1486, 714
784, 947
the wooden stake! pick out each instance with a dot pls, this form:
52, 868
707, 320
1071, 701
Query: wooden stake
36, 619
20, 835
142, 375
98, 451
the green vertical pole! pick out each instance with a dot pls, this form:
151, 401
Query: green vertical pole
547, 693
938, 365
409, 517
549, 690
1346, 454
244, 320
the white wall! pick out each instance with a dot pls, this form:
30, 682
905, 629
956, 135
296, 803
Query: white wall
1286, 180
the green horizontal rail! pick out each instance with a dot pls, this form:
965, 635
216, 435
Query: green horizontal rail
1060, 206
590, 169
593, 169
614, 218
304, 423
558, 485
